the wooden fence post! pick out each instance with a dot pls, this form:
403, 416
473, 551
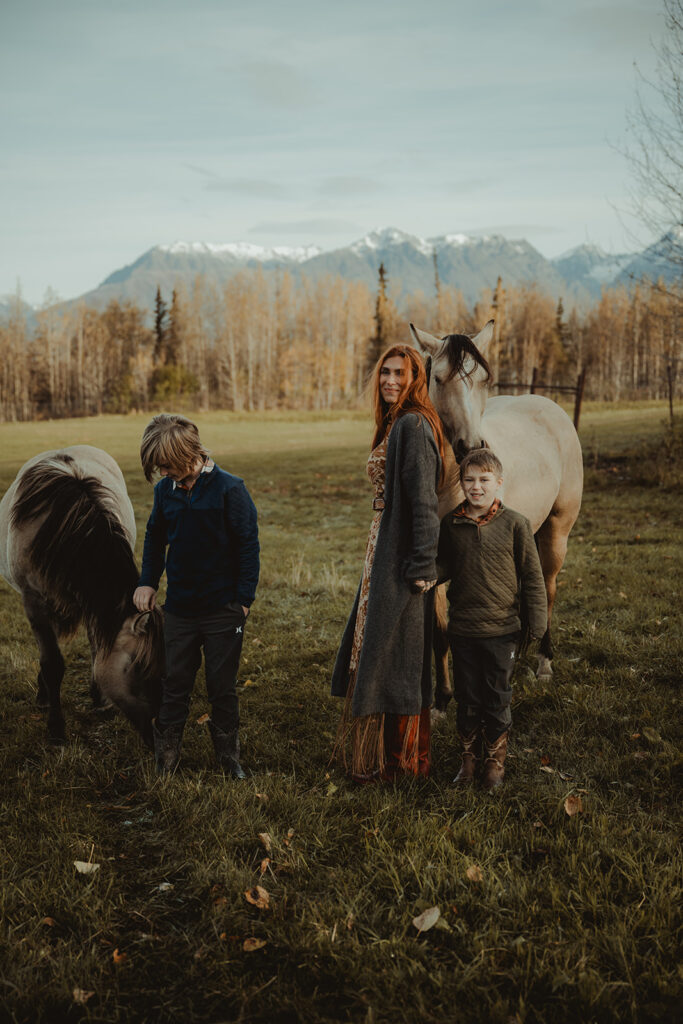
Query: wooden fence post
579, 398
534, 379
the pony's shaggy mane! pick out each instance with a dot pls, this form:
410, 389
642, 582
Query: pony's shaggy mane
457, 348
79, 549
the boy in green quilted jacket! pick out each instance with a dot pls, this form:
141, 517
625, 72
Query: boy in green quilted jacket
488, 553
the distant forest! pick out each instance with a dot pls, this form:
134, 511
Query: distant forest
264, 342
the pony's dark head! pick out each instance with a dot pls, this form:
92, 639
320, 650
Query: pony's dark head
130, 671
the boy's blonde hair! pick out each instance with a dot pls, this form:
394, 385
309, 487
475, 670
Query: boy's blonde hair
484, 459
170, 440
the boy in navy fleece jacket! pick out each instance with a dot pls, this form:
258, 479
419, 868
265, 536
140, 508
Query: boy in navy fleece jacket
203, 531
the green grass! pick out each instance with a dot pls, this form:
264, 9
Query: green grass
576, 918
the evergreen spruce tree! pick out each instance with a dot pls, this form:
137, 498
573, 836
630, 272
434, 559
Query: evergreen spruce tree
160, 316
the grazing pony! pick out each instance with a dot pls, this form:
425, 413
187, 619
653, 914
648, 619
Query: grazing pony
534, 439
67, 532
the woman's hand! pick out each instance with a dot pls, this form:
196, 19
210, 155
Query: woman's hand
422, 586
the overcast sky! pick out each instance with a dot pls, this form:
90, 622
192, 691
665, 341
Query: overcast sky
128, 123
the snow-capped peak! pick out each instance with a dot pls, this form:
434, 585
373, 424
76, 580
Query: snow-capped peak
243, 251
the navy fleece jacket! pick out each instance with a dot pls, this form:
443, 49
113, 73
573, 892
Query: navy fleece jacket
211, 534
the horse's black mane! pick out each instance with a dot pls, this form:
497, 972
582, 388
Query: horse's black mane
457, 347
80, 548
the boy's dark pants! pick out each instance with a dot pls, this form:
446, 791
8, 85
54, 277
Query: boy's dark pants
220, 634
482, 673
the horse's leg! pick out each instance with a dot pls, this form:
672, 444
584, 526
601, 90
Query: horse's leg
51, 665
444, 687
551, 540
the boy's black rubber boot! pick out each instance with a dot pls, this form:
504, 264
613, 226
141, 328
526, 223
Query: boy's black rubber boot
227, 748
167, 747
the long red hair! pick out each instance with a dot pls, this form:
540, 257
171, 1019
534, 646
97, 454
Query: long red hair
413, 398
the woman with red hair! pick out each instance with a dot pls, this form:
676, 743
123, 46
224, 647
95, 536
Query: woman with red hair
383, 668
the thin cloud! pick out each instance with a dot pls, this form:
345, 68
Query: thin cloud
276, 83
259, 188
344, 186
311, 226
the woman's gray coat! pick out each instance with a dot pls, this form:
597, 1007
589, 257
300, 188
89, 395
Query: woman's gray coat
394, 669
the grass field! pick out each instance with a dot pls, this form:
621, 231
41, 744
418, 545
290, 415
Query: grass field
573, 918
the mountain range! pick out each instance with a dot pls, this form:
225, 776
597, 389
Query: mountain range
469, 263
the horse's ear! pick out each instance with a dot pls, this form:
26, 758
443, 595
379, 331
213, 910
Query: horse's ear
485, 337
426, 342
142, 622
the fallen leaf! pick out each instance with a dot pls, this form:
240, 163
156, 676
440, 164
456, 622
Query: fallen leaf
622, 594
118, 957
331, 789
220, 901
262, 796
565, 776
249, 682
528, 750
427, 919
258, 897
49, 921
81, 997
545, 759
547, 769
164, 887
573, 805
266, 841
264, 865
84, 867
474, 873
538, 824
250, 945
635, 735
202, 720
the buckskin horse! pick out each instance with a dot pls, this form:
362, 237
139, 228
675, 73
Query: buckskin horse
534, 439
67, 532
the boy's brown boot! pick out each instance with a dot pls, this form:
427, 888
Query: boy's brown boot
494, 762
471, 752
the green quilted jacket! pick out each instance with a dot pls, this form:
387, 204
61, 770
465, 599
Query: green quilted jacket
495, 575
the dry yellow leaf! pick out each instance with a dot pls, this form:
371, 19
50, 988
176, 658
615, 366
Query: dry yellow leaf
202, 720
81, 996
50, 921
252, 944
258, 897
427, 919
573, 805
264, 865
474, 873
118, 957
84, 867
266, 841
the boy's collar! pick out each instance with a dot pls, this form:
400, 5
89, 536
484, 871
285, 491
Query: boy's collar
206, 468
461, 512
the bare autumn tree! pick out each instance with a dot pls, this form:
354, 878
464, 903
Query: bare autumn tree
655, 150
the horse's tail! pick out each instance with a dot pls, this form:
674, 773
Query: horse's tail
80, 548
